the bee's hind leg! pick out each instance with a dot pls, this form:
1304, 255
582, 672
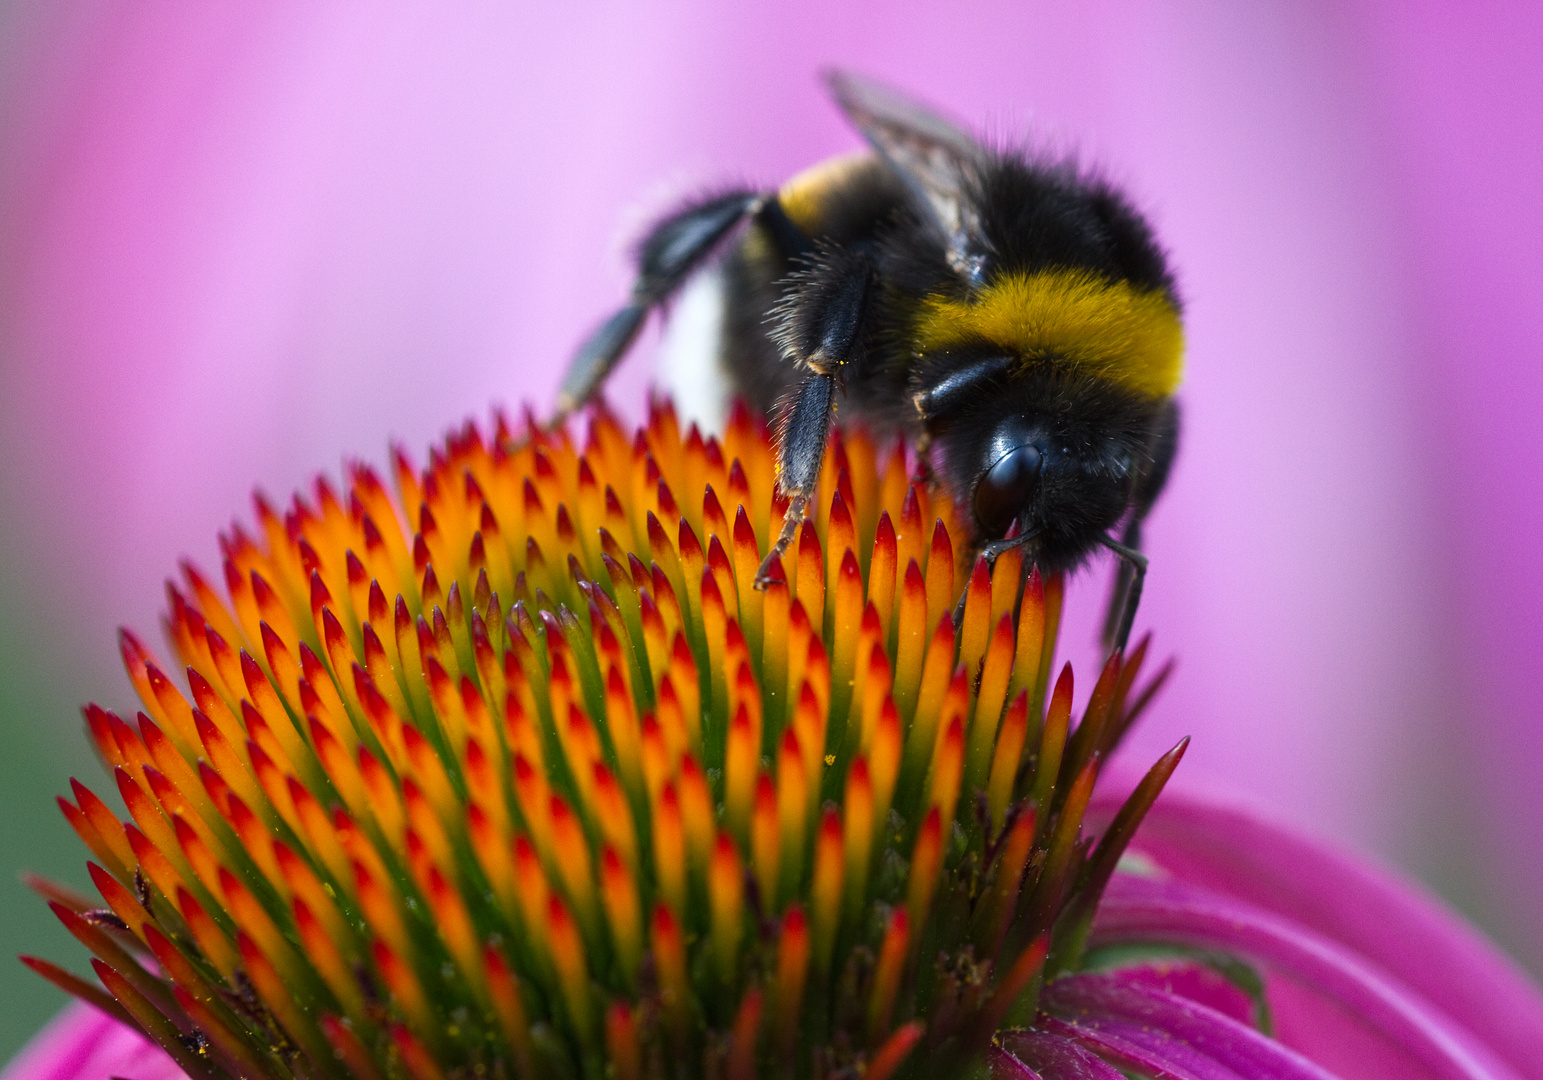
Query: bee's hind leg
667, 256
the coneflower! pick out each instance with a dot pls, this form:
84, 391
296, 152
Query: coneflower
515, 774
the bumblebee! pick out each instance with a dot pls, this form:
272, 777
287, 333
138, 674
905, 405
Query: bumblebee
1014, 317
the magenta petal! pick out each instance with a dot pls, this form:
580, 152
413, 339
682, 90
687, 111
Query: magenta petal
1165, 1035
1392, 925
1005, 1066
1051, 1057
1319, 1028
83, 1043
1140, 909
1192, 980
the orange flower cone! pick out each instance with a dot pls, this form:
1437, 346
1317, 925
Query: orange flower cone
513, 774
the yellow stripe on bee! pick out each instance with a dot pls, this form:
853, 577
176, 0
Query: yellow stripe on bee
803, 197
1111, 329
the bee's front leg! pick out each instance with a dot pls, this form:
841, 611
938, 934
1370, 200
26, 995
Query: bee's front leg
994, 551
823, 325
1125, 594
801, 449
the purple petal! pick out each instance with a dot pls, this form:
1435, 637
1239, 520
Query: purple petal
1140, 909
1165, 1035
82, 1043
1189, 979
1041, 1054
1392, 925
1005, 1066
1131, 1056
1321, 1029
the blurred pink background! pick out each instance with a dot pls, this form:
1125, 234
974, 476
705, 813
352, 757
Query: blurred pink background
240, 241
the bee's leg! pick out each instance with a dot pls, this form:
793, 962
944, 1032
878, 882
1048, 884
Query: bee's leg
1125, 595
798, 468
823, 326
669, 253
992, 551
1121, 611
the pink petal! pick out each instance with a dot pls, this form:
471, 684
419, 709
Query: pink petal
83, 1043
1140, 909
1192, 980
1393, 926
1005, 1066
1051, 1057
1320, 1028
1166, 1036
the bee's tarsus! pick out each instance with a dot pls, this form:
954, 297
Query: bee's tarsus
992, 552
766, 576
997, 548
958, 613
597, 356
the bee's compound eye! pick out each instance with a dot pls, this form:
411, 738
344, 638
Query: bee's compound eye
1007, 486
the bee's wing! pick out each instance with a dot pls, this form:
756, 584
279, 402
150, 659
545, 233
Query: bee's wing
932, 155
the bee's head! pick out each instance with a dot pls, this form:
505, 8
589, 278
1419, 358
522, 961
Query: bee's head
1053, 450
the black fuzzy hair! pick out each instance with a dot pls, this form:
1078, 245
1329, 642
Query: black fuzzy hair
1038, 216
1098, 442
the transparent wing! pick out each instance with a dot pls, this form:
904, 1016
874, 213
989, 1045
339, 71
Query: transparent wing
932, 154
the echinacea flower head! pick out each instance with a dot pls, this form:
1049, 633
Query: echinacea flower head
514, 774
